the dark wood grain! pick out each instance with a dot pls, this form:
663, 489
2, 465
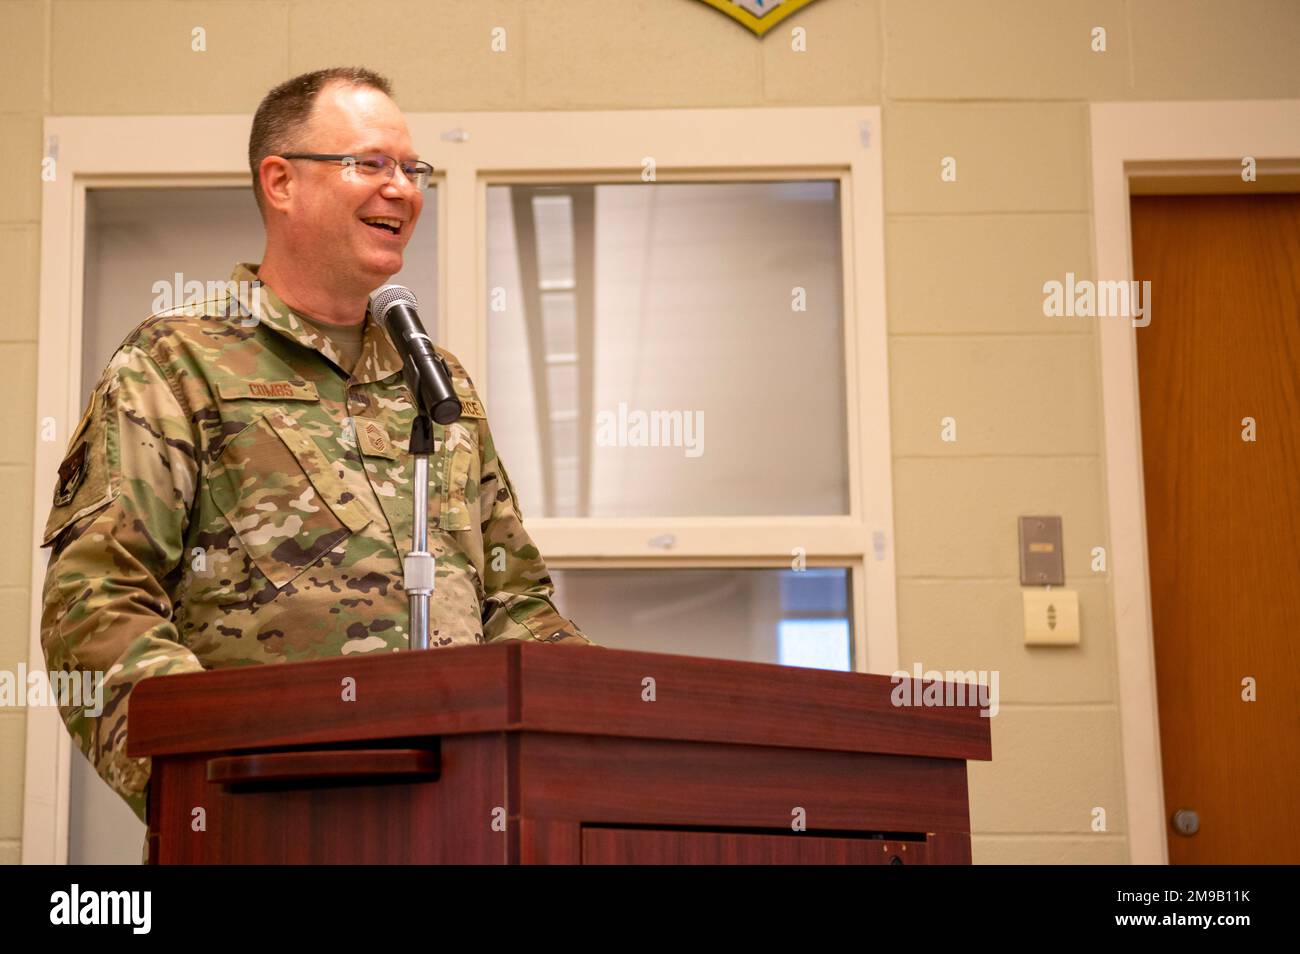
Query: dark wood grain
546, 841
334, 764
536, 747
411, 694
601, 780
448, 821
948, 848
546, 689
743, 703
606, 846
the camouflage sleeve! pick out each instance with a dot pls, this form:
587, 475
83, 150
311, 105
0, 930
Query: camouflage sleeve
519, 601
116, 530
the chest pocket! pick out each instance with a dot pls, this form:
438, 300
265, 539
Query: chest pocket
460, 476
287, 502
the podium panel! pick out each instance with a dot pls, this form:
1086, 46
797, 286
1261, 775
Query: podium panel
532, 754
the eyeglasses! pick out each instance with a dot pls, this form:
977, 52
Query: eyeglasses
372, 165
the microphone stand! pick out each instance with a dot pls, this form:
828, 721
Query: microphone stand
419, 572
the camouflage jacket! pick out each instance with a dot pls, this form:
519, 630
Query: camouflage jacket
231, 496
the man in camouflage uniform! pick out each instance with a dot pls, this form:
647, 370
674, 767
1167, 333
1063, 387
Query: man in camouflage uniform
239, 489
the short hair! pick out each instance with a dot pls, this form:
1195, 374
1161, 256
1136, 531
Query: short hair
284, 111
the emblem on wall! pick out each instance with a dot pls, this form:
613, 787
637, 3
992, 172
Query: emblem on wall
759, 15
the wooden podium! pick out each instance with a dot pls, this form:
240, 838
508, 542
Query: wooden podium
529, 754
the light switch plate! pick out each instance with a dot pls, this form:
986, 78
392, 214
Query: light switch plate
1051, 617
1042, 560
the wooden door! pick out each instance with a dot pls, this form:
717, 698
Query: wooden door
1223, 515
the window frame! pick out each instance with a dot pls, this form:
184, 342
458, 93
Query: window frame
705, 145
470, 151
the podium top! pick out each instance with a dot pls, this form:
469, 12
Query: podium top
528, 687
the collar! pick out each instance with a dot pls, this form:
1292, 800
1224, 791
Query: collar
379, 358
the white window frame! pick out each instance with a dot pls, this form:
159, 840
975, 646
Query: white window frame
1187, 141
470, 152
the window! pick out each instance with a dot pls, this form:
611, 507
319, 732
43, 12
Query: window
154, 248
795, 618
668, 349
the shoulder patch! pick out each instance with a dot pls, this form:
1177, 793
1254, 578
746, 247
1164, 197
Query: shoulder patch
71, 472
84, 483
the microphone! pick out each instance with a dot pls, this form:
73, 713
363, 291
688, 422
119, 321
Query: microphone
395, 307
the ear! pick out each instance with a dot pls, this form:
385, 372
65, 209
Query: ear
277, 178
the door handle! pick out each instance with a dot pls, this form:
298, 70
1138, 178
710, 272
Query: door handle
1186, 822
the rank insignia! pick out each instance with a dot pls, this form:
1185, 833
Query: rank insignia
374, 438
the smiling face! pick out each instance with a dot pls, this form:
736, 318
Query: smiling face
322, 205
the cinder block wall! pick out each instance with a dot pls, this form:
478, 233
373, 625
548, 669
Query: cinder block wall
1001, 86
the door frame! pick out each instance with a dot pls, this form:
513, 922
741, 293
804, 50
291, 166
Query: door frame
1183, 147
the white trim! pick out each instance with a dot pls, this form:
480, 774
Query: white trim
1125, 134
469, 150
